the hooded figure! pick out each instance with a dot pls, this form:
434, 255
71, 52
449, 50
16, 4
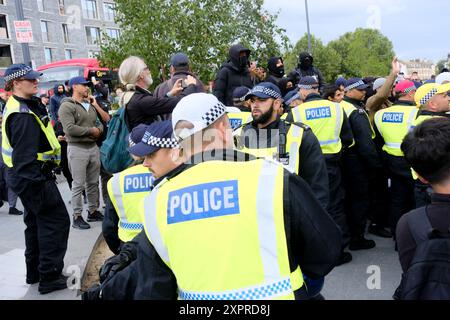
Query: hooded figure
59, 93
233, 74
276, 70
305, 68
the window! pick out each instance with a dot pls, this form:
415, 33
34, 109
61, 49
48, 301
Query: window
61, 7
109, 10
68, 54
48, 55
41, 6
44, 30
3, 27
93, 54
5, 55
113, 33
93, 35
65, 29
89, 9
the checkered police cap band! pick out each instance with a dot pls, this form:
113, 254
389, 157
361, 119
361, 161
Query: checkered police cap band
308, 86
428, 96
18, 74
167, 143
214, 113
408, 90
355, 85
267, 91
130, 141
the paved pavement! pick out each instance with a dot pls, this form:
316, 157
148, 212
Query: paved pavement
372, 275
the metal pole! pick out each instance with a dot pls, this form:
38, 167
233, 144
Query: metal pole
25, 47
307, 24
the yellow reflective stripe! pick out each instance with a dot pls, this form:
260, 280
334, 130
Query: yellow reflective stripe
294, 148
339, 120
48, 157
266, 221
297, 114
117, 194
151, 223
296, 279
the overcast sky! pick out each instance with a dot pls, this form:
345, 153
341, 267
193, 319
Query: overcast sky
417, 28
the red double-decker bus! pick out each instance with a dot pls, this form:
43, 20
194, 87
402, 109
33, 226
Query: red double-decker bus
61, 71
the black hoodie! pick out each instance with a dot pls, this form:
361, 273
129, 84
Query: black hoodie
55, 101
275, 74
232, 75
307, 69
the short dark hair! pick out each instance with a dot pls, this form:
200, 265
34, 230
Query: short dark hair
329, 91
427, 149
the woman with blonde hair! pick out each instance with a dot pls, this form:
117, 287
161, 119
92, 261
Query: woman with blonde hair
141, 105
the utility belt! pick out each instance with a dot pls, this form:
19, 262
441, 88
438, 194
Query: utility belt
49, 169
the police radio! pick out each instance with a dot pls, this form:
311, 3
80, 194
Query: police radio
282, 156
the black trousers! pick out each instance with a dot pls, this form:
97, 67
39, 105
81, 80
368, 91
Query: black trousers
65, 164
336, 202
47, 230
401, 198
357, 200
379, 199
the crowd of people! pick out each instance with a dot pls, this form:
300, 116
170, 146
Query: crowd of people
254, 191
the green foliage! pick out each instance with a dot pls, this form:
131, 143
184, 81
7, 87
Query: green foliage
326, 59
364, 52
441, 65
203, 29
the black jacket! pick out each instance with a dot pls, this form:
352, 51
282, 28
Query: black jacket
110, 228
313, 240
312, 167
166, 86
231, 76
364, 147
438, 214
27, 139
146, 108
303, 70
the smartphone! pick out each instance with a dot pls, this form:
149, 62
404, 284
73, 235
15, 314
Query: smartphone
93, 79
184, 84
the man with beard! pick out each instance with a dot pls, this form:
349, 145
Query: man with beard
292, 144
276, 70
329, 123
306, 68
235, 73
79, 119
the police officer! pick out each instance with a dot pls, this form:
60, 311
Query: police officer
329, 123
227, 225
433, 101
240, 114
127, 189
31, 150
294, 145
360, 161
391, 126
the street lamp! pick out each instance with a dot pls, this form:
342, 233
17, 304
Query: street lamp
307, 25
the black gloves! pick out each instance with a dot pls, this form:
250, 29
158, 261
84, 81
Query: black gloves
115, 264
93, 293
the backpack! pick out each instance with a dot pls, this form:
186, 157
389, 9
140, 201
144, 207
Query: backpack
114, 150
428, 276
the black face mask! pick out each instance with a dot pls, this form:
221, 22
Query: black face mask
306, 64
243, 62
279, 71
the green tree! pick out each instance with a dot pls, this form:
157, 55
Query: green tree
364, 52
325, 58
441, 65
203, 29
